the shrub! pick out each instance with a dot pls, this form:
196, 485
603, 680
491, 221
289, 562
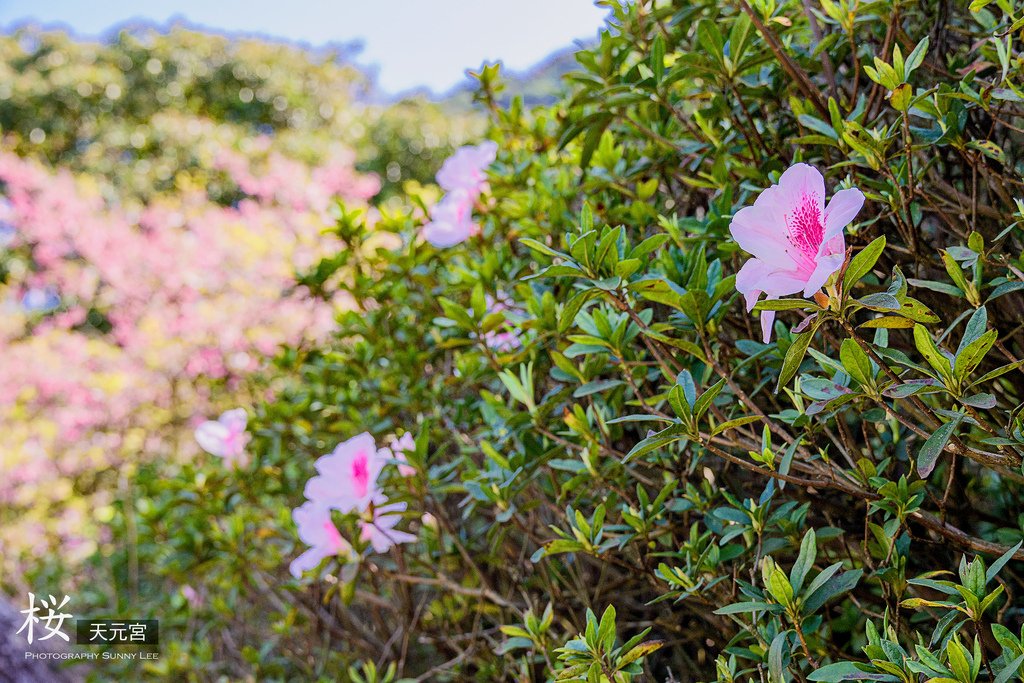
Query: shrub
638, 481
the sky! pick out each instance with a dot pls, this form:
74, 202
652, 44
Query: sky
413, 43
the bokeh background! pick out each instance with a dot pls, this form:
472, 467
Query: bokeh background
167, 172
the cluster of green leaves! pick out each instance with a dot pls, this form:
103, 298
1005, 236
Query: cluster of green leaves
774, 512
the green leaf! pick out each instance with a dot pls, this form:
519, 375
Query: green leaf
1005, 288
640, 651
542, 248
973, 354
956, 273
704, 402
958, 663
917, 311
1007, 674
1001, 562
650, 244
846, 671
643, 417
776, 582
998, 372
560, 270
596, 386
784, 304
830, 588
818, 125
606, 631
743, 607
890, 322
586, 218
804, 561
680, 406
658, 58
935, 444
776, 654
689, 387
862, 263
935, 286
856, 362
794, 357
983, 401
976, 327
880, 301
656, 441
927, 348
733, 424
916, 57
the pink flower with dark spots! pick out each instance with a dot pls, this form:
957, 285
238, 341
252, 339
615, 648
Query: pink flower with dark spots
348, 476
379, 528
796, 240
226, 437
466, 168
317, 530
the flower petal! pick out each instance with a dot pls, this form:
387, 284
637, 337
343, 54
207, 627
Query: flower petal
307, 561
749, 279
761, 229
235, 420
826, 266
212, 437
840, 212
328, 491
451, 220
767, 321
757, 277
801, 180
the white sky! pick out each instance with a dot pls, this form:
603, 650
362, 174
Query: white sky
412, 42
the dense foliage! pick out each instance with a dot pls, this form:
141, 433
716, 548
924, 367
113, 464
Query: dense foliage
615, 474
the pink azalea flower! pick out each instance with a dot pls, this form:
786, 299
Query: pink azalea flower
348, 476
380, 530
451, 220
465, 169
225, 437
397, 451
317, 530
797, 241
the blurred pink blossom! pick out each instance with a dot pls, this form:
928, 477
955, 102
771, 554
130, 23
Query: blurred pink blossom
504, 338
397, 451
466, 169
463, 176
192, 291
316, 530
379, 529
348, 476
796, 240
142, 317
226, 437
451, 220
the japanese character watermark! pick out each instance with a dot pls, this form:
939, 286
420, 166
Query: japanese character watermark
52, 615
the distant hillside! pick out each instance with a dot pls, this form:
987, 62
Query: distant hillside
539, 84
